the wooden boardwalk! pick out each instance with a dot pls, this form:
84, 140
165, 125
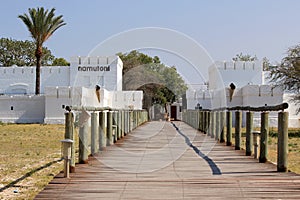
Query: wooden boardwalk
156, 161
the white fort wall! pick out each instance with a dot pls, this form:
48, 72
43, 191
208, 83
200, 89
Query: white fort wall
249, 95
60, 86
83, 72
22, 109
21, 80
56, 98
221, 74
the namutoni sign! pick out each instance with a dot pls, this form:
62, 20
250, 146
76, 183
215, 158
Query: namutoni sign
93, 68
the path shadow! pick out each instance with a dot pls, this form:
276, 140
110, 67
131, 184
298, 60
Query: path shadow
214, 168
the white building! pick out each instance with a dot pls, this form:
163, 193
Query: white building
252, 89
60, 86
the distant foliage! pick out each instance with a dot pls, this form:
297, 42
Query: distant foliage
242, 57
21, 53
287, 74
161, 84
249, 58
60, 62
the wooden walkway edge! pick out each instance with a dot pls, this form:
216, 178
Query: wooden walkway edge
161, 160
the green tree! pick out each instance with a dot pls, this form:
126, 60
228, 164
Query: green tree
41, 24
21, 53
266, 63
160, 84
287, 74
60, 62
242, 57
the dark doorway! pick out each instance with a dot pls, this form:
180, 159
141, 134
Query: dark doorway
173, 112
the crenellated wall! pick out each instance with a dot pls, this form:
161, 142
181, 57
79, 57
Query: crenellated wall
221, 74
91, 71
61, 86
84, 71
21, 80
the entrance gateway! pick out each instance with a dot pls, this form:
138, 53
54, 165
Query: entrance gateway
174, 113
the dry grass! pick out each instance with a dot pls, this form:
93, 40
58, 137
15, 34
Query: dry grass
293, 147
293, 155
23, 150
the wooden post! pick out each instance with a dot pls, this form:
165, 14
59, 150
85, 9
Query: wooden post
196, 119
206, 122
69, 134
256, 138
190, 118
238, 129
94, 133
119, 135
126, 122
110, 140
133, 119
83, 143
228, 128
222, 124
209, 126
200, 121
203, 121
67, 145
249, 130
123, 124
217, 134
138, 118
115, 125
213, 124
193, 118
102, 130
282, 161
130, 121
264, 132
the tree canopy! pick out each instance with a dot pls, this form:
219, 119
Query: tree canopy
60, 62
249, 58
21, 53
244, 57
287, 74
161, 84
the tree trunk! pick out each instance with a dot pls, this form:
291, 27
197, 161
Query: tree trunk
38, 55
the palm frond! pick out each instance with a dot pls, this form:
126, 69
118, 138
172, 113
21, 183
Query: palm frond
41, 23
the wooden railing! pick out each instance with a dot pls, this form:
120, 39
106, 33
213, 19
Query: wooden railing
105, 126
217, 123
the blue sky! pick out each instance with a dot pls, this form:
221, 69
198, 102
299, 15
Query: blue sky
224, 28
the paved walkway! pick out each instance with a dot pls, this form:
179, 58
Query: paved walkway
164, 160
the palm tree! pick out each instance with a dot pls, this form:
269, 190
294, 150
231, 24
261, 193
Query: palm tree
41, 24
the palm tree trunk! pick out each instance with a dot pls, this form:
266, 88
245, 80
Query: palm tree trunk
38, 55
37, 76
